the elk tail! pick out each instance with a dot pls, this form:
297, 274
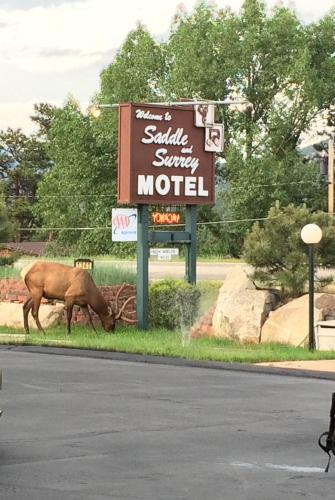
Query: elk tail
26, 269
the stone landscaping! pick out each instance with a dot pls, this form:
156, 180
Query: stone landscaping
249, 315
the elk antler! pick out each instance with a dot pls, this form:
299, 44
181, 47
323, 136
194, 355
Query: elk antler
119, 311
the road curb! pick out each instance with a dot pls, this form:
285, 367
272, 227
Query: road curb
164, 360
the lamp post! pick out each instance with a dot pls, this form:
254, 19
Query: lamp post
311, 234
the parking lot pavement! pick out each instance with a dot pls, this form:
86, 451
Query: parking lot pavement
79, 428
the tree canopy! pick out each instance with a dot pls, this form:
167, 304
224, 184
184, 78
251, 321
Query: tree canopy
6, 227
282, 66
23, 162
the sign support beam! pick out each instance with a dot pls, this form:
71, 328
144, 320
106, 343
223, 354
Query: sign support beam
331, 177
191, 247
142, 285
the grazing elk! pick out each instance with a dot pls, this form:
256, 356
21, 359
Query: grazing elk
73, 286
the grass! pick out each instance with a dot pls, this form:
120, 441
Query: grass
9, 272
164, 343
104, 273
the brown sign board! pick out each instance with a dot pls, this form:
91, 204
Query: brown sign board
162, 158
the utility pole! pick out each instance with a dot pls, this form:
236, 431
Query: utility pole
331, 176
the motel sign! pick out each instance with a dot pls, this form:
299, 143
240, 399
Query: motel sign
162, 157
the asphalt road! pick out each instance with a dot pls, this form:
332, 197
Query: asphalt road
205, 270
77, 428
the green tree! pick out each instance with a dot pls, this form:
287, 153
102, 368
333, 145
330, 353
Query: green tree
257, 183
135, 72
23, 162
79, 190
82, 182
277, 252
6, 227
43, 115
275, 61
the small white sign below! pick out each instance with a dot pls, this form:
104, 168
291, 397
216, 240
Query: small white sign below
164, 256
124, 224
164, 253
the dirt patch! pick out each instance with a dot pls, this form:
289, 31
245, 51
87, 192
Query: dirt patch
325, 365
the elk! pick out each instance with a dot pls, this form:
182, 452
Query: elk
73, 286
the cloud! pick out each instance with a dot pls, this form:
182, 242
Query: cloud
49, 48
31, 36
76, 34
17, 114
55, 52
82, 31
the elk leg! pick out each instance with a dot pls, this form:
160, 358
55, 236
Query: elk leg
35, 308
26, 308
88, 316
69, 309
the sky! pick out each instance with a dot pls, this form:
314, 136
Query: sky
52, 48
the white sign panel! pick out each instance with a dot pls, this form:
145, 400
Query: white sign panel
214, 138
164, 253
203, 115
124, 224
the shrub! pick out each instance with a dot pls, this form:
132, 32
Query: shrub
278, 254
212, 240
173, 304
9, 260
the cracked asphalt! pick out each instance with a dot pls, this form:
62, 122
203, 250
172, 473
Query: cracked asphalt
85, 428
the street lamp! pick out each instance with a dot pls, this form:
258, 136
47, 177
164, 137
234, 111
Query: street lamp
311, 234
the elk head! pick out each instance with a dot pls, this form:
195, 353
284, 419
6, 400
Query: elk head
108, 322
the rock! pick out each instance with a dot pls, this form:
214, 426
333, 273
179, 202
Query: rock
241, 309
326, 302
289, 324
11, 315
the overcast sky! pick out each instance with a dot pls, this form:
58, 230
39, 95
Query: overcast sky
50, 48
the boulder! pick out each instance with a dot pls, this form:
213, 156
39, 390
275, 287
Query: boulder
326, 302
289, 324
11, 315
241, 309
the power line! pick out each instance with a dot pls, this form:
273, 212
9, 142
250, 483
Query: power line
275, 184
231, 221
100, 195
72, 195
102, 228
97, 228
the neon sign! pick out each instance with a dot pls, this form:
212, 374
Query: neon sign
165, 217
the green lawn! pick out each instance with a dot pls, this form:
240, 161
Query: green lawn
163, 343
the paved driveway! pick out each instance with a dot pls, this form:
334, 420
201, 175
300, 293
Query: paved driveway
205, 270
77, 428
